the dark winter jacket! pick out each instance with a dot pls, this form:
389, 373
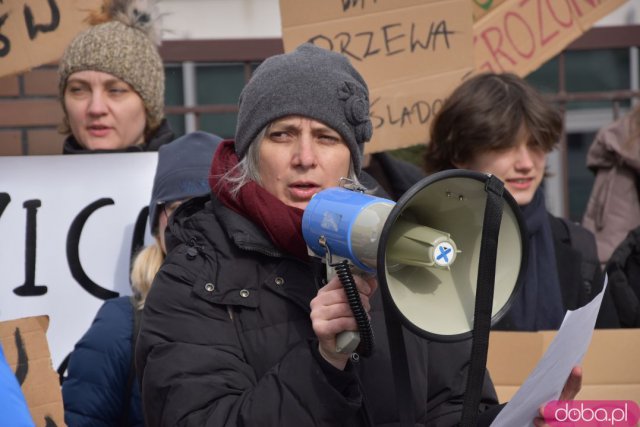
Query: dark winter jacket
99, 367
576, 291
394, 175
226, 340
162, 135
624, 279
575, 288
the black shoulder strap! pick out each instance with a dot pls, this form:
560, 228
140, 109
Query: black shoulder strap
137, 314
583, 241
62, 369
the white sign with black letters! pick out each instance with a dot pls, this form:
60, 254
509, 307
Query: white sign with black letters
66, 230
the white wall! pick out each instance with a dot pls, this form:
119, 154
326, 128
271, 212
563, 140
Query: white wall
220, 19
627, 14
230, 19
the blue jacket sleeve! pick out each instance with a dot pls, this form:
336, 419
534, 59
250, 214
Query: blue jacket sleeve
13, 406
94, 390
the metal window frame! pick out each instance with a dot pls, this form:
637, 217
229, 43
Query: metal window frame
597, 38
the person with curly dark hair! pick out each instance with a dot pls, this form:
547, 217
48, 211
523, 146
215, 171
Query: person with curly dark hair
499, 124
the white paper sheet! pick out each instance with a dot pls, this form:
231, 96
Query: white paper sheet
548, 378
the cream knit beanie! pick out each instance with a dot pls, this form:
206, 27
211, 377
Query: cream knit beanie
123, 44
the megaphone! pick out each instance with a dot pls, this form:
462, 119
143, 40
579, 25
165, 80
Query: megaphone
425, 248
448, 258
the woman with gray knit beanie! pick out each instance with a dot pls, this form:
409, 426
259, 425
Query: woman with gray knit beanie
239, 326
111, 83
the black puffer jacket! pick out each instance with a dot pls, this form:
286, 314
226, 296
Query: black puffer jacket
574, 259
579, 276
624, 279
226, 340
396, 176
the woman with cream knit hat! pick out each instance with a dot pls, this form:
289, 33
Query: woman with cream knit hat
111, 82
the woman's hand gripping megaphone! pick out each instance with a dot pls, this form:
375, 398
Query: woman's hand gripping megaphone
332, 316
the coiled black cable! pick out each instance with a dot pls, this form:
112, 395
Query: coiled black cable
343, 271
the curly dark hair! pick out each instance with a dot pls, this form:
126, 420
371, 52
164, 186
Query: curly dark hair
488, 112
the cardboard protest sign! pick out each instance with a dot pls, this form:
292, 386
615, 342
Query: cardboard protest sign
410, 52
27, 352
513, 355
518, 36
34, 32
405, 109
320, 11
66, 231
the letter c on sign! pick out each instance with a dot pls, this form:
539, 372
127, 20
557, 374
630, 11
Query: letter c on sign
73, 251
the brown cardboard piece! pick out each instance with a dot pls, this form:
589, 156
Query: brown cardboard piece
320, 11
26, 349
518, 36
405, 110
380, 38
410, 52
29, 42
611, 370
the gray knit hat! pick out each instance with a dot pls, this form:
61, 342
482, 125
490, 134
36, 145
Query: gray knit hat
311, 82
182, 170
124, 51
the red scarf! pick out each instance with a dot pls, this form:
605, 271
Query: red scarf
282, 223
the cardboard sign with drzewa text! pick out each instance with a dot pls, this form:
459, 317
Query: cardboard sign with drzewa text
411, 53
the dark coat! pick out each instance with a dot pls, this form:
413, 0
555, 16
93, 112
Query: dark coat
162, 135
95, 387
226, 340
624, 279
575, 290
394, 175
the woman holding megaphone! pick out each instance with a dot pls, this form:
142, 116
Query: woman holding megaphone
239, 326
